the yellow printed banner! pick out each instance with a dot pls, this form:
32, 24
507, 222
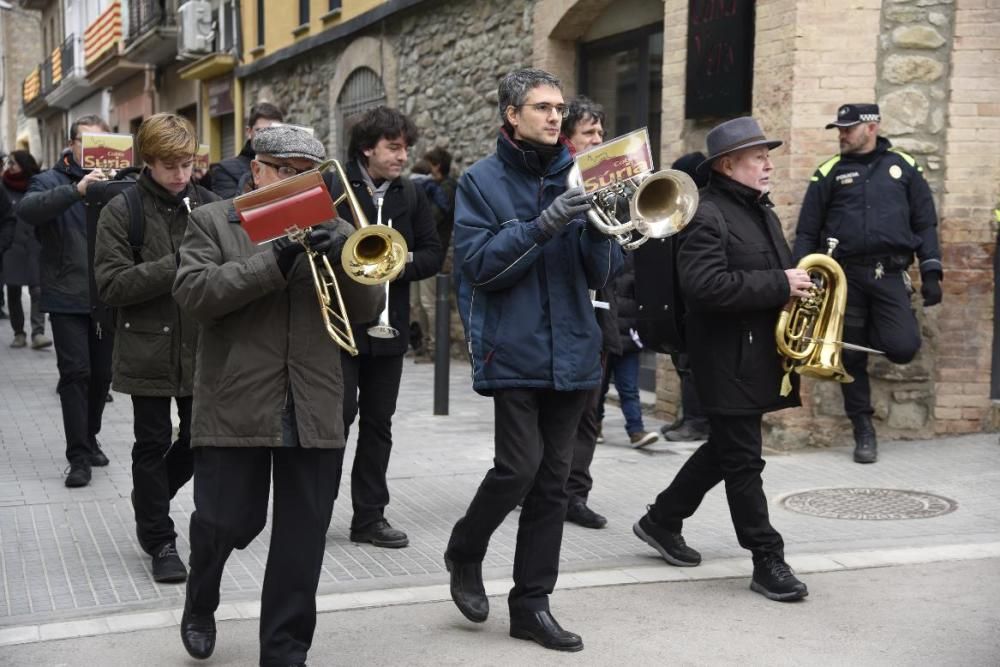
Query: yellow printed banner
106, 151
201, 159
615, 161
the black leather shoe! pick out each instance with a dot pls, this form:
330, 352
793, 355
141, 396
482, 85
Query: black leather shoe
97, 457
865, 442
669, 544
773, 578
380, 534
79, 475
581, 515
168, 568
467, 591
541, 627
198, 634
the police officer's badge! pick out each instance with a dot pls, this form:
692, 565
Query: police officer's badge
895, 171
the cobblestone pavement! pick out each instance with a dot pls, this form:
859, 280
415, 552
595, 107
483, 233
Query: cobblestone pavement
72, 553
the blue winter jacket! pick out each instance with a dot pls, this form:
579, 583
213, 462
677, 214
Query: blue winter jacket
523, 297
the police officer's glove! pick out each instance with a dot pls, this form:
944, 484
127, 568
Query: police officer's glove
931, 288
285, 251
567, 206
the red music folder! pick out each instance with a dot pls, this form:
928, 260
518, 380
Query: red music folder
301, 201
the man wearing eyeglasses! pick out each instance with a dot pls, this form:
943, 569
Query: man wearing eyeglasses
267, 402
524, 262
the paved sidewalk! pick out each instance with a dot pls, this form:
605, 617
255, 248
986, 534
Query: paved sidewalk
71, 553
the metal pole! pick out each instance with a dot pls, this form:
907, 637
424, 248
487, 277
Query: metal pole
442, 343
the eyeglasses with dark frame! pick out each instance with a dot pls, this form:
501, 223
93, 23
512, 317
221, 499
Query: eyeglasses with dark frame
284, 170
545, 108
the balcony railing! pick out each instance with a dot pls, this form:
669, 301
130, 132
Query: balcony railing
145, 15
46, 69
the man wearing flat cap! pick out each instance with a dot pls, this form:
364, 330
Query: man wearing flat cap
736, 274
874, 200
268, 392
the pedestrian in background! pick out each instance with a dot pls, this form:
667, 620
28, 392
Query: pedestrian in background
267, 405
692, 425
155, 342
874, 200
736, 274
54, 205
377, 153
228, 178
22, 254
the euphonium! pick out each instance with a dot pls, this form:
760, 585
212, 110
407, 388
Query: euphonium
810, 330
660, 205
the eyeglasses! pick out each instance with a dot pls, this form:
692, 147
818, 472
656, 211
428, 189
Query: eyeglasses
284, 170
545, 108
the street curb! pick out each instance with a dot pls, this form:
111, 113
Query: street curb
333, 602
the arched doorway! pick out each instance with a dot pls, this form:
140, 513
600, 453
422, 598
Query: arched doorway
363, 90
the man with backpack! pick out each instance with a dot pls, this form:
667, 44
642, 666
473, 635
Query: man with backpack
54, 204
135, 263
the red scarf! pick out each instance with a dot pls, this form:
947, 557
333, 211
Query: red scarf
18, 181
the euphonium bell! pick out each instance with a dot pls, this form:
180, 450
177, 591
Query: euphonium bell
810, 330
660, 204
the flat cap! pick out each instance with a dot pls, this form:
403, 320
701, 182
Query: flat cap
287, 141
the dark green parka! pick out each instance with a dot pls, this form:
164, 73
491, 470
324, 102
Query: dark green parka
155, 342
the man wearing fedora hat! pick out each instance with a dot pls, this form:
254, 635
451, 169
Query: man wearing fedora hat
874, 200
736, 273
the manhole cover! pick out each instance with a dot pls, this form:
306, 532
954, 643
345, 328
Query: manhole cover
869, 504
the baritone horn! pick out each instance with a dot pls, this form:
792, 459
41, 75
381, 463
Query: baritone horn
810, 329
660, 204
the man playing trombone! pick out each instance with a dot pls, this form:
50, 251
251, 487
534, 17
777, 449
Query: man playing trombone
267, 400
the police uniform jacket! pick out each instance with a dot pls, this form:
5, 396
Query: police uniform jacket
880, 210
731, 264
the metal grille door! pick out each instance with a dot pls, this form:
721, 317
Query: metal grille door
362, 91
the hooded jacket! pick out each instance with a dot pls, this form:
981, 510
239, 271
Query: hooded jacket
522, 295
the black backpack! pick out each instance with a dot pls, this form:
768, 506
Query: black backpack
658, 296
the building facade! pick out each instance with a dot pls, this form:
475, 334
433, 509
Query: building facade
677, 67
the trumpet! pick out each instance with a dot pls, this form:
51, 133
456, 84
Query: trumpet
660, 204
383, 329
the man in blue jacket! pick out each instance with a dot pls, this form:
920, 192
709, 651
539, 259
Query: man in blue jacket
54, 205
524, 260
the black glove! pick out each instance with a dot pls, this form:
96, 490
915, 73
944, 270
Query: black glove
931, 288
568, 205
285, 251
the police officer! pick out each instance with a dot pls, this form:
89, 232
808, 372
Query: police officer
873, 198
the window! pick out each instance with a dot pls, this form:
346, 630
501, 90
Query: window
260, 22
303, 12
334, 5
363, 90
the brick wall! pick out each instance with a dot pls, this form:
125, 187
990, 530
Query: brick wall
971, 192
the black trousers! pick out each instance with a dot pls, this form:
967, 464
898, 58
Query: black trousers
690, 403
579, 483
879, 315
230, 497
17, 310
533, 449
83, 356
371, 386
732, 454
159, 466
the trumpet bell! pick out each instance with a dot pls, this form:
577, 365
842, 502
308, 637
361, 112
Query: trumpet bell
664, 203
374, 254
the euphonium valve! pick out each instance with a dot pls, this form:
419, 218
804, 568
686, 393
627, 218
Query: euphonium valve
809, 332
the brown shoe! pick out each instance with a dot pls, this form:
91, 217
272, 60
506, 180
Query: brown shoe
642, 438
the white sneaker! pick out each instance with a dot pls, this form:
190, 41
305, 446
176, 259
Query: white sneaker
39, 341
